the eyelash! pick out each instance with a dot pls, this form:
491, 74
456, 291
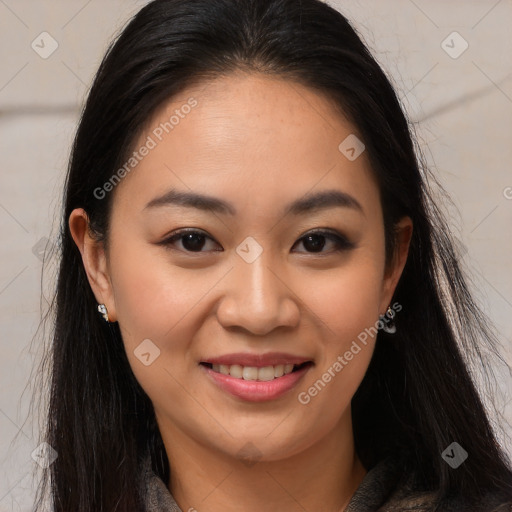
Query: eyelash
341, 242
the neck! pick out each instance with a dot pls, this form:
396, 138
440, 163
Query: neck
322, 477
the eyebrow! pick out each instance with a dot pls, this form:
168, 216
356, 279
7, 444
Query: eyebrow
310, 202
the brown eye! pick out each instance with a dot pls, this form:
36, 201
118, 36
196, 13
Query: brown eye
315, 242
191, 240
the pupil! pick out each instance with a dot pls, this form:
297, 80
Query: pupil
193, 242
316, 242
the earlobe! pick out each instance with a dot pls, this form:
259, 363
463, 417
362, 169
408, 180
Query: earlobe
94, 260
403, 230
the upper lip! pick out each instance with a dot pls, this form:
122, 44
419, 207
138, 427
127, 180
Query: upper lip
257, 360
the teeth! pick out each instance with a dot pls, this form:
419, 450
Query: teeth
223, 368
250, 373
265, 373
236, 371
279, 370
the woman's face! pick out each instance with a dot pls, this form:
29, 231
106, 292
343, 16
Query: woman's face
250, 166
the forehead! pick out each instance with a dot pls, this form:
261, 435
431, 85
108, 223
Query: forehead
248, 137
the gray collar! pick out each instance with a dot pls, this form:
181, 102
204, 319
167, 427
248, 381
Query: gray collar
373, 492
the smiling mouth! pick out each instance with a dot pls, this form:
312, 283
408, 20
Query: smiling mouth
264, 373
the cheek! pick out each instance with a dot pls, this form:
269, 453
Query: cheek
151, 295
346, 300
349, 310
328, 393
166, 304
347, 305
154, 301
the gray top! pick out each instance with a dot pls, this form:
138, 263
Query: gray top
381, 490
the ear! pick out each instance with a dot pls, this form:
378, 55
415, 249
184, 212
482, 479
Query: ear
94, 260
403, 233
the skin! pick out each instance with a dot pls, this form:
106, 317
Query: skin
257, 143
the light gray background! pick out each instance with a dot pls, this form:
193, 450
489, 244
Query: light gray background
462, 109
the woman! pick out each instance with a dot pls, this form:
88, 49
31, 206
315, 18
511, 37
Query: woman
258, 304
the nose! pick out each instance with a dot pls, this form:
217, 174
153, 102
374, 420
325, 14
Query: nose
257, 298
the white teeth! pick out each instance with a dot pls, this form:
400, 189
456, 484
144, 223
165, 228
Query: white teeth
279, 370
265, 373
223, 368
236, 371
250, 373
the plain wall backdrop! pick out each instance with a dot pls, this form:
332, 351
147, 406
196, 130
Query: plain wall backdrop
450, 62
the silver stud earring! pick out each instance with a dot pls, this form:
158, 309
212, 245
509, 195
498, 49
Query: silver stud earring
388, 325
103, 310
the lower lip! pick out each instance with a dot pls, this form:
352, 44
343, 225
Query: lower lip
257, 390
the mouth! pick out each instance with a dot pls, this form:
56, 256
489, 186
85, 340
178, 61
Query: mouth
256, 377
256, 383
257, 373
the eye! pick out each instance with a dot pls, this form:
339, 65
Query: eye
191, 240
315, 241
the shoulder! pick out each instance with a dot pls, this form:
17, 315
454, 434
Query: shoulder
428, 502
405, 499
388, 488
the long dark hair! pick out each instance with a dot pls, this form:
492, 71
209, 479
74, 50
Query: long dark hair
418, 395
